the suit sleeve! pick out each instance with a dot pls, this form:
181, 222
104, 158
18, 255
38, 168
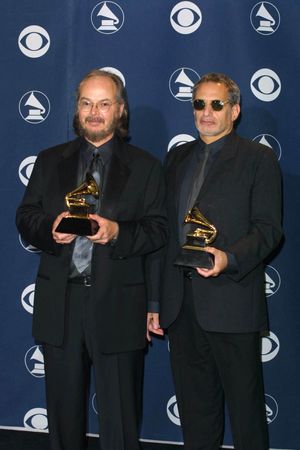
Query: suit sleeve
33, 223
149, 232
265, 229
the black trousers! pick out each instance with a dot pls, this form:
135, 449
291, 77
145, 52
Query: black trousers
209, 366
118, 380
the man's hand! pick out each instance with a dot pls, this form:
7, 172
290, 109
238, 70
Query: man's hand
221, 263
108, 230
61, 238
153, 325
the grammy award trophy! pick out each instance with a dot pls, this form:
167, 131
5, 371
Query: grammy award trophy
192, 253
78, 222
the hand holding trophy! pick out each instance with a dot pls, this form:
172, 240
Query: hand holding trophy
78, 221
193, 253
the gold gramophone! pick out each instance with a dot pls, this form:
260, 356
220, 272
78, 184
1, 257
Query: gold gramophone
78, 221
193, 252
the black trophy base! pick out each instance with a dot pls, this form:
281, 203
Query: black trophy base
77, 225
195, 258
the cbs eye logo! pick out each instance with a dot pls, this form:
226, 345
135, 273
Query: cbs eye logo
34, 41
270, 347
36, 419
185, 17
172, 410
180, 139
265, 85
27, 298
25, 169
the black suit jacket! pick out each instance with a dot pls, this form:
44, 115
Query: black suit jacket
241, 196
134, 197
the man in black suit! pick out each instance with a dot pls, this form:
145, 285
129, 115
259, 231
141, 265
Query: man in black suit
215, 315
90, 297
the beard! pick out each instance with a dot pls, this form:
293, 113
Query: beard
94, 136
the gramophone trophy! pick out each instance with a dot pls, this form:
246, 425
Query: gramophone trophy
78, 221
192, 253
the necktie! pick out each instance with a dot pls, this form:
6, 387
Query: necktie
82, 253
198, 178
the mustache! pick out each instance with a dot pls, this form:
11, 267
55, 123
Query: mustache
94, 119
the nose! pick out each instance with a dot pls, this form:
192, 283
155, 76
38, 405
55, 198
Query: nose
207, 109
94, 108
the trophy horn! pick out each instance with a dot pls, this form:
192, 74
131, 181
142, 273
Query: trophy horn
206, 230
89, 187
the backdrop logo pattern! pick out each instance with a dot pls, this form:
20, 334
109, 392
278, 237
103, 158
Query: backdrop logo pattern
265, 18
34, 361
185, 17
265, 85
25, 169
116, 72
34, 41
180, 139
107, 17
269, 141
181, 83
27, 298
272, 281
95, 404
34, 107
36, 419
270, 347
28, 247
172, 410
271, 408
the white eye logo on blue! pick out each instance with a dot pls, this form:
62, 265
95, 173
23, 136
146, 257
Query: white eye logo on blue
270, 347
116, 72
172, 410
180, 139
34, 41
265, 18
185, 17
36, 419
265, 85
271, 408
25, 169
181, 83
107, 17
34, 107
27, 298
270, 141
34, 361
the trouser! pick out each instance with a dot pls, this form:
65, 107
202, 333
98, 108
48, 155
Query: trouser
208, 366
118, 382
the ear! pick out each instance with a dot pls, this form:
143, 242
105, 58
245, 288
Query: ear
235, 112
121, 109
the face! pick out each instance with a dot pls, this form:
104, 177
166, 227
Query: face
98, 126
212, 125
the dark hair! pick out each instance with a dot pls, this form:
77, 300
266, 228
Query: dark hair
233, 89
122, 126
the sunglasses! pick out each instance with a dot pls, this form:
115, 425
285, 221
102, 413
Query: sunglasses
217, 105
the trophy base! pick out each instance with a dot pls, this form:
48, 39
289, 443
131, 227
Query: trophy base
195, 258
79, 226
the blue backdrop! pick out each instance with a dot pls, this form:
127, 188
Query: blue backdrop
160, 48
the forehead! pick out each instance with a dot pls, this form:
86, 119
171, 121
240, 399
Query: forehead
212, 91
102, 87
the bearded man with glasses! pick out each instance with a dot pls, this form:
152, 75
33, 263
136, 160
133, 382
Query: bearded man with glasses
215, 315
91, 292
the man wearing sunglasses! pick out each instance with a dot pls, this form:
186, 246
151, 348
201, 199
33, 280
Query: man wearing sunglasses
215, 315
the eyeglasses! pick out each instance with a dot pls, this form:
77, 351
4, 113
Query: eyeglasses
217, 105
103, 105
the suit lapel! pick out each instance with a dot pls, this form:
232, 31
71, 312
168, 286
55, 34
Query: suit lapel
68, 167
116, 180
221, 165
